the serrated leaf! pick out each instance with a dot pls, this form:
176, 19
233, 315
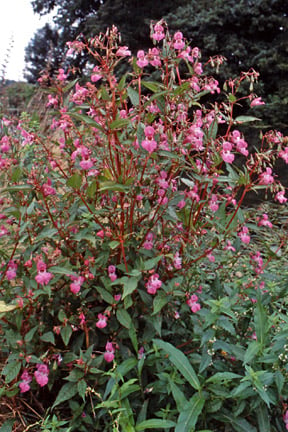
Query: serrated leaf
252, 351
66, 333
68, 391
154, 424
152, 262
189, 416
4, 307
246, 119
180, 361
74, 181
129, 286
29, 336
124, 318
153, 86
81, 387
85, 119
133, 96
106, 296
159, 302
11, 370
223, 376
61, 270
263, 418
119, 124
48, 337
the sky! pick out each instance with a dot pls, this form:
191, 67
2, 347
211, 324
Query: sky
18, 23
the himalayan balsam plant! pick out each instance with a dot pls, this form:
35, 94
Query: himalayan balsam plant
137, 290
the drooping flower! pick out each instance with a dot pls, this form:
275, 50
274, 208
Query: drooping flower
109, 352
266, 177
153, 284
41, 374
25, 383
123, 51
149, 144
257, 101
43, 277
265, 221
141, 59
178, 41
244, 236
102, 321
76, 284
280, 197
158, 32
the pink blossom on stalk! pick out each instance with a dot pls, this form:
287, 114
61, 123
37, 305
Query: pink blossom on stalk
61, 75
265, 221
3, 231
86, 164
284, 154
148, 244
177, 261
96, 76
266, 178
102, 321
154, 59
192, 302
47, 189
178, 41
75, 286
158, 32
278, 197
244, 236
257, 101
24, 384
43, 277
285, 419
52, 101
123, 51
109, 353
229, 246
141, 59
199, 70
41, 374
213, 205
181, 204
112, 273
153, 284
149, 143
226, 154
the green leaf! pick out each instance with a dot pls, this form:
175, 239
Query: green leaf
92, 188
151, 263
260, 319
85, 119
81, 387
106, 296
252, 351
61, 270
29, 336
124, 318
4, 307
66, 333
48, 337
74, 181
133, 96
189, 416
263, 418
119, 124
178, 395
17, 188
246, 119
68, 391
7, 426
180, 361
279, 380
11, 370
16, 174
155, 424
113, 186
223, 376
150, 85
129, 286
159, 302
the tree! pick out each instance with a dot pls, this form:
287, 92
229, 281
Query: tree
250, 34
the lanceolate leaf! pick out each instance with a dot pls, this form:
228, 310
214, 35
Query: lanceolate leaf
189, 416
181, 362
157, 424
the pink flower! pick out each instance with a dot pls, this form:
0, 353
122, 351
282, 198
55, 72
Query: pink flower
96, 76
229, 246
112, 273
158, 32
149, 143
244, 236
109, 353
181, 204
266, 178
76, 284
178, 41
43, 277
61, 75
47, 189
284, 154
279, 197
226, 154
24, 384
41, 374
148, 244
100, 234
52, 101
257, 101
123, 51
153, 284
177, 261
102, 321
265, 221
195, 307
141, 59
86, 164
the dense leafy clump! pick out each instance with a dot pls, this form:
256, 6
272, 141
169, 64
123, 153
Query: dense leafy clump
137, 291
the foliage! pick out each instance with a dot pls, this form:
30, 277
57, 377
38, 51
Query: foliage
137, 292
